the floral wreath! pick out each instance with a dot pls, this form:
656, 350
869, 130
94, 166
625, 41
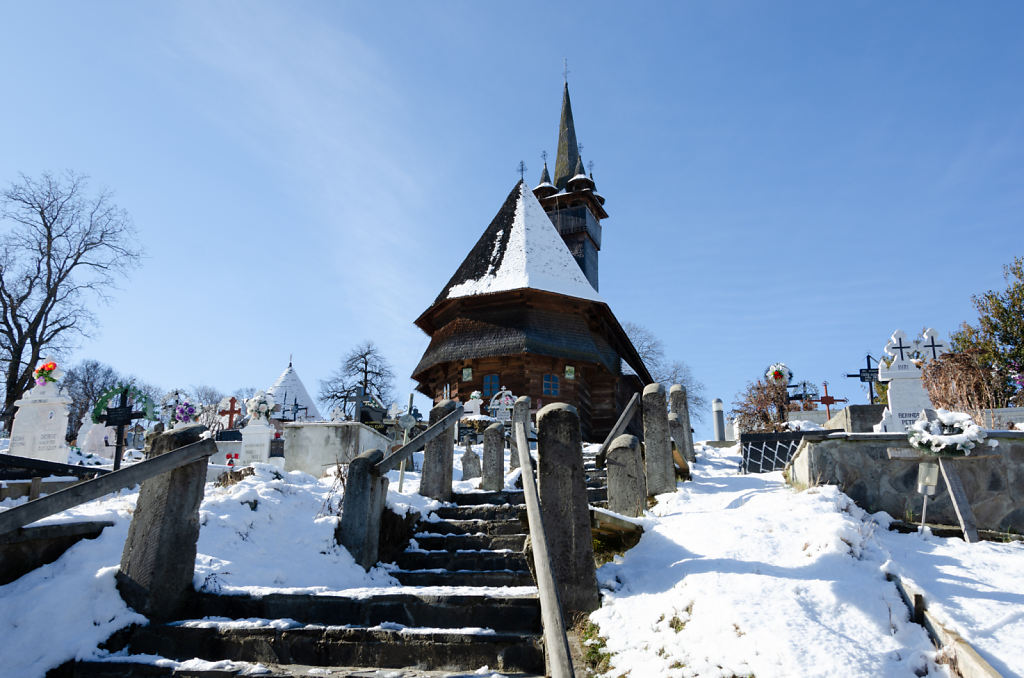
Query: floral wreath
954, 430
260, 405
778, 374
44, 373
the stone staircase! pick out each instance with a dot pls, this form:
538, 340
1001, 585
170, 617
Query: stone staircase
467, 600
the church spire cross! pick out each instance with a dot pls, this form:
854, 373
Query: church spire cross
565, 70
568, 151
522, 170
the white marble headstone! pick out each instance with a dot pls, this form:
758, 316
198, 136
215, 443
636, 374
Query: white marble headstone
93, 438
40, 425
906, 393
501, 405
256, 439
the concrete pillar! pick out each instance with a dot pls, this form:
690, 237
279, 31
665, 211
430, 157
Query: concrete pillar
679, 405
159, 557
362, 508
718, 412
470, 462
438, 457
661, 476
494, 457
565, 509
627, 484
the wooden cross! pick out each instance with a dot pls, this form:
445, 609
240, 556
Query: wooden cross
232, 410
828, 401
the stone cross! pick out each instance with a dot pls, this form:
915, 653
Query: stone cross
906, 394
231, 411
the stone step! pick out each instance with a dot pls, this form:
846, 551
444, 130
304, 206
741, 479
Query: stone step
123, 669
324, 646
481, 512
472, 542
513, 497
461, 560
422, 609
493, 527
458, 579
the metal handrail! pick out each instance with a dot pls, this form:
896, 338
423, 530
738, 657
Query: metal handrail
617, 430
555, 640
391, 462
19, 516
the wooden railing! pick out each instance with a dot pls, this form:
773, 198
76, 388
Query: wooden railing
19, 516
405, 452
555, 641
617, 430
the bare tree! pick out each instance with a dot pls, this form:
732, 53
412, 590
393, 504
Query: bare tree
364, 366
85, 383
207, 401
652, 352
762, 408
62, 248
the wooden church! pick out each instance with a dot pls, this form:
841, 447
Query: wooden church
523, 310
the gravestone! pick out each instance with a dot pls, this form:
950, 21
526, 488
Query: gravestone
474, 404
501, 406
680, 407
494, 457
627, 485
562, 487
438, 457
661, 475
470, 462
256, 437
41, 423
906, 394
94, 438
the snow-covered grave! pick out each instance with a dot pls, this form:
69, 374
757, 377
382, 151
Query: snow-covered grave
734, 575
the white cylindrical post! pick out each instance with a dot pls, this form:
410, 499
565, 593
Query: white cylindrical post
718, 408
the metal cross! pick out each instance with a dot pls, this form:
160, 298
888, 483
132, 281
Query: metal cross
522, 171
544, 156
565, 70
900, 346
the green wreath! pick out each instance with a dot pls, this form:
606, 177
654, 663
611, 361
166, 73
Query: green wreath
137, 396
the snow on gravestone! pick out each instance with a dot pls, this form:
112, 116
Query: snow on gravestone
94, 438
41, 423
906, 393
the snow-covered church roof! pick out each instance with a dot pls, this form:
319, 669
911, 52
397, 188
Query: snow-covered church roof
289, 389
520, 249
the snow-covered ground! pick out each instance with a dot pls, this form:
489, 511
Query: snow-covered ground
741, 575
735, 575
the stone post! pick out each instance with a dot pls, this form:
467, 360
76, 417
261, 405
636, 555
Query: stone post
159, 557
362, 508
661, 476
627, 485
718, 413
439, 457
470, 462
494, 457
565, 509
520, 412
679, 405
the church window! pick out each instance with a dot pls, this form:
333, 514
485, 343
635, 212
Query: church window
551, 384
491, 384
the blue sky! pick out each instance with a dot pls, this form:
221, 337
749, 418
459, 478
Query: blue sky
785, 181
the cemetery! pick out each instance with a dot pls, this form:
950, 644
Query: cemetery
552, 511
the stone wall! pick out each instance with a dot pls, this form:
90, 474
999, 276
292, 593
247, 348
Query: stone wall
859, 464
857, 418
318, 446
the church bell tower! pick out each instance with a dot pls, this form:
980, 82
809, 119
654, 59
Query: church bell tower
572, 201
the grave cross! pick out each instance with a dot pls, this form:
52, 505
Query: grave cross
119, 417
901, 347
868, 376
231, 411
828, 401
934, 346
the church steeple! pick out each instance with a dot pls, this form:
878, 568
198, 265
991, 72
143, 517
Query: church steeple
568, 151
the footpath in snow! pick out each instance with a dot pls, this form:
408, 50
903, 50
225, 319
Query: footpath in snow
741, 575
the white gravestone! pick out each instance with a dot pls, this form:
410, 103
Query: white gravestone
474, 404
40, 424
906, 393
256, 436
501, 405
93, 438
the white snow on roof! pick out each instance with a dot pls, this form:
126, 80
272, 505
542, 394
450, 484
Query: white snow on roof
286, 391
535, 257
